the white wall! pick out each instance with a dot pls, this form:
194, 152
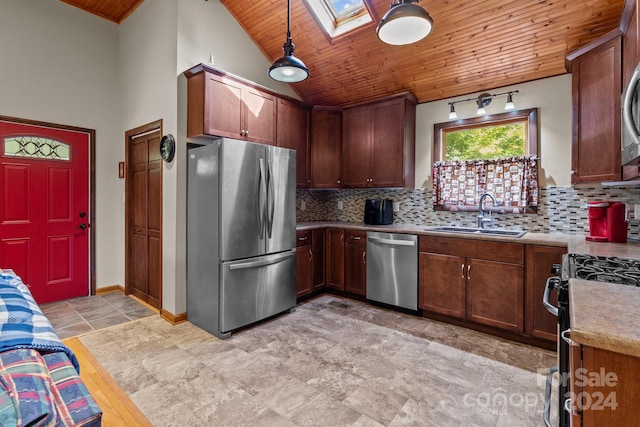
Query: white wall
59, 65
551, 96
158, 42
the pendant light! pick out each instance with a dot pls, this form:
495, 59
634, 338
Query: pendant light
404, 23
288, 69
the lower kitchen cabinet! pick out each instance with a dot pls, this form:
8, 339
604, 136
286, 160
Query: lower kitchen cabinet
317, 262
604, 391
355, 256
304, 266
442, 284
476, 280
334, 273
495, 294
539, 260
309, 261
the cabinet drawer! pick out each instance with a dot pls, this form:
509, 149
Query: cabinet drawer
357, 238
471, 248
303, 238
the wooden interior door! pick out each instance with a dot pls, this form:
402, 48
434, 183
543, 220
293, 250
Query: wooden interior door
44, 208
144, 214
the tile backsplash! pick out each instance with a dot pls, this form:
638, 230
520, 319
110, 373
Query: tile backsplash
561, 209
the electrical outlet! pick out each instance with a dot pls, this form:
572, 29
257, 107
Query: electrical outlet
396, 207
303, 205
340, 205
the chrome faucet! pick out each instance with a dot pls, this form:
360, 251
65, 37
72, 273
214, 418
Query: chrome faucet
481, 219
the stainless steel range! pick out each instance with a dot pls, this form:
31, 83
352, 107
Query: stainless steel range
623, 271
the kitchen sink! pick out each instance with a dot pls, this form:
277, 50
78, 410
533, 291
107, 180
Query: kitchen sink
487, 231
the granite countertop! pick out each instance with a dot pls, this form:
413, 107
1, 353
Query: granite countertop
603, 315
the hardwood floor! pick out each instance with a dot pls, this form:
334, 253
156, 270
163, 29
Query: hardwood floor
117, 408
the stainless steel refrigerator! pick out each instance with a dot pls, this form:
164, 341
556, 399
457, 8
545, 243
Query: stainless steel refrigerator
241, 227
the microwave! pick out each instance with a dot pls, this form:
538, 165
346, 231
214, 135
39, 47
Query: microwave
630, 138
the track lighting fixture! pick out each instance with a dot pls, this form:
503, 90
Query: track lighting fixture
452, 112
288, 68
404, 23
482, 101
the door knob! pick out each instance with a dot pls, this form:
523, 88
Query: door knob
83, 226
83, 214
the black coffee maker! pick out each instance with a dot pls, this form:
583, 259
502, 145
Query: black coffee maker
378, 211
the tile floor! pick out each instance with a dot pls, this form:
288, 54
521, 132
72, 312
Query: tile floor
332, 362
81, 315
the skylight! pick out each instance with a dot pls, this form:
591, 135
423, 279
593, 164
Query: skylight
338, 17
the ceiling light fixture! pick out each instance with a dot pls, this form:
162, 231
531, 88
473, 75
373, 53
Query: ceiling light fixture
288, 69
482, 101
452, 112
404, 23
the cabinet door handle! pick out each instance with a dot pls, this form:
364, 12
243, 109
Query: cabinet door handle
342, 239
310, 255
355, 237
364, 257
468, 271
303, 238
246, 133
462, 271
338, 181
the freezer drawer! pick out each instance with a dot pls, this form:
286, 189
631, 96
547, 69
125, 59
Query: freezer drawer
392, 269
256, 288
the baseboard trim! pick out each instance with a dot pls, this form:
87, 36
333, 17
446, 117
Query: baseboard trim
108, 289
174, 319
149, 306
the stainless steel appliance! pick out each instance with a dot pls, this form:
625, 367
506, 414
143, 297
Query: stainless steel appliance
586, 267
241, 218
392, 269
631, 120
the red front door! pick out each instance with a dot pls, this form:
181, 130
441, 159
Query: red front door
44, 209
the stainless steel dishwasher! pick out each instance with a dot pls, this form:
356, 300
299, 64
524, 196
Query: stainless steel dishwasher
392, 269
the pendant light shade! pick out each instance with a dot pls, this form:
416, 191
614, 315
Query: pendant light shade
404, 23
288, 68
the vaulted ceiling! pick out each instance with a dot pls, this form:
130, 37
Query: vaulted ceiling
475, 45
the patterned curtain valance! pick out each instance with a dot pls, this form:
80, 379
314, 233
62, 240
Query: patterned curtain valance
513, 181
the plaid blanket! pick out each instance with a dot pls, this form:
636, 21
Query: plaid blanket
22, 324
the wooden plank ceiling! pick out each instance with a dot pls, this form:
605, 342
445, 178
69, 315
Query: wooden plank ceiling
113, 10
475, 45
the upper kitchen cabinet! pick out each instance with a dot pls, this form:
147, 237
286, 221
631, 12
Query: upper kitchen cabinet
326, 144
596, 71
293, 132
219, 104
378, 143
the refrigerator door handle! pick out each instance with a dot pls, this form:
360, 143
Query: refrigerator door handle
262, 193
270, 199
263, 262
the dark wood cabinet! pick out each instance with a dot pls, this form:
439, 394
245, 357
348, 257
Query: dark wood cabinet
293, 132
355, 256
596, 72
219, 104
442, 284
495, 293
304, 263
326, 146
539, 260
334, 273
605, 394
317, 267
309, 261
480, 281
378, 143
